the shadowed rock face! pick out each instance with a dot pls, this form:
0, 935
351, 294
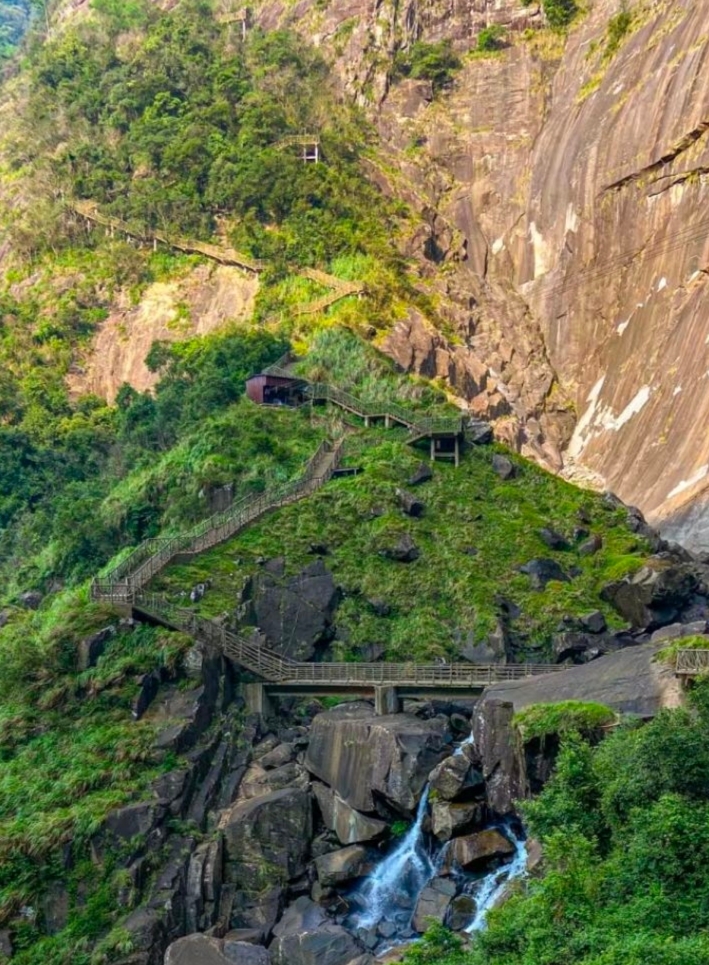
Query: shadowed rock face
364, 758
564, 195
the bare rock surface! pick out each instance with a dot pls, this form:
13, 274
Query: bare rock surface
362, 756
350, 826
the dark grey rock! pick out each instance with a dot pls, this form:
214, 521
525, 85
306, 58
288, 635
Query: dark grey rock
474, 851
542, 571
380, 607
433, 903
504, 467
350, 825
552, 539
451, 818
404, 551
461, 912
593, 622
455, 775
423, 474
478, 432
655, 595
296, 614
591, 546
410, 504
280, 755
306, 936
343, 865
319, 549
149, 684
93, 647
30, 599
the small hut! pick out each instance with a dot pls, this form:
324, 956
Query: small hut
266, 389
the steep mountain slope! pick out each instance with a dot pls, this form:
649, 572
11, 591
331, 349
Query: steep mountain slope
562, 182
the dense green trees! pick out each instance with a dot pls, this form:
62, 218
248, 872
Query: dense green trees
625, 827
185, 128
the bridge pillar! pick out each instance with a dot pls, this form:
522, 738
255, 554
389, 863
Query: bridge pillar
386, 701
257, 699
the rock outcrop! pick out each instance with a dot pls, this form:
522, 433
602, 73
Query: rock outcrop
370, 760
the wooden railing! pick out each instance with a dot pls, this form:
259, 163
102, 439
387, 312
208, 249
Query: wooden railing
417, 424
692, 662
121, 583
275, 668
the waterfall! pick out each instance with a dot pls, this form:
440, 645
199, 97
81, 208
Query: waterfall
402, 874
491, 888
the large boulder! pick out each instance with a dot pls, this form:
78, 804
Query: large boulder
542, 571
363, 757
349, 825
295, 614
201, 950
655, 595
306, 936
474, 851
433, 903
450, 818
403, 551
456, 775
268, 836
346, 864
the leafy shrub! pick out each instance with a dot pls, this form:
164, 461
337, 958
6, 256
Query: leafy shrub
423, 61
559, 13
490, 38
618, 27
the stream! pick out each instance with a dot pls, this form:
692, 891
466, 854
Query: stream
384, 904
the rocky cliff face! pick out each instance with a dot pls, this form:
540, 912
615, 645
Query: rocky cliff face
561, 186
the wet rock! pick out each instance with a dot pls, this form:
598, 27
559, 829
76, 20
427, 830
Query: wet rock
343, 865
593, 622
410, 504
504, 467
455, 775
461, 912
93, 647
349, 825
272, 831
450, 818
423, 474
433, 903
542, 571
654, 596
404, 551
295, 615
364, 757
30, 599
591, 546
474, 851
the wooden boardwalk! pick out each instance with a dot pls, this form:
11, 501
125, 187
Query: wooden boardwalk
692, 663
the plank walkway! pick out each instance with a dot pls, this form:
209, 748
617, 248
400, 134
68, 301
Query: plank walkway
692, 663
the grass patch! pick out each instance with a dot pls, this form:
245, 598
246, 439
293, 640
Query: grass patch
541, 720
668, 654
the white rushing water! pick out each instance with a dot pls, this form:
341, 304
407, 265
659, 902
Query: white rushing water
491, 888
402, 873
387, 898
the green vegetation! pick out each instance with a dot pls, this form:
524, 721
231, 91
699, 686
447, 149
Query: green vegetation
559, 13
70, 753
423, 61
541, 720
14, 22
668, 654
616, 31
625, 829
469, 507
490, 39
